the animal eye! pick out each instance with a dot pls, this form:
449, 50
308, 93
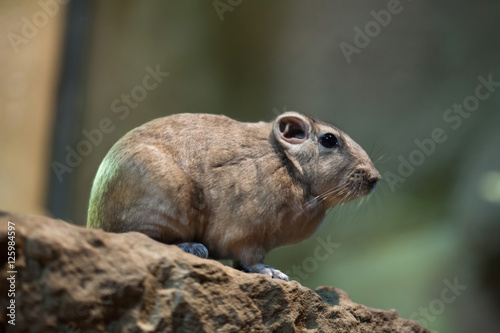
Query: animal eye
328, 140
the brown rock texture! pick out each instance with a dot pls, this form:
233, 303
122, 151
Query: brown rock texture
71, 279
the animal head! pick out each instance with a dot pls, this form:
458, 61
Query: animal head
336, 168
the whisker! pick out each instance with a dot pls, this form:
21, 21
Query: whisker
326, 194
380, 158
379, 149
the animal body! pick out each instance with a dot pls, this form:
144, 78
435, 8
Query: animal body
227, 189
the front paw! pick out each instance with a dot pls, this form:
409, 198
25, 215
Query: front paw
266, 270
197, 249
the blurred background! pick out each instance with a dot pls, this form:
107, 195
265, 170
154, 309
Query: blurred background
415, 83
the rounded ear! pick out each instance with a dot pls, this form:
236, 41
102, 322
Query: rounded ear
291, 128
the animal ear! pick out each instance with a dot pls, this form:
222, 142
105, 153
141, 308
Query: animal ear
291, 128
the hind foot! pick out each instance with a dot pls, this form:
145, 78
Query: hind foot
264, 269
197, 249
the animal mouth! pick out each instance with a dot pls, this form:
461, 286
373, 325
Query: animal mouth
362, 183
359, 184
360, 189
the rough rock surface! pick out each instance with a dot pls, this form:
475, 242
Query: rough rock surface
70, 279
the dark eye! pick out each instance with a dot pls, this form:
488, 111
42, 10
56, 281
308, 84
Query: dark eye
328, 140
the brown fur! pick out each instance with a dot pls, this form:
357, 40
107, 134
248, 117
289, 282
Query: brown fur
238, 188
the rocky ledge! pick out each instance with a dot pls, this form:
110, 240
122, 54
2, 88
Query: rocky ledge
71, 279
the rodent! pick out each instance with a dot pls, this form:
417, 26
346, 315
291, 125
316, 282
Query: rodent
234, 190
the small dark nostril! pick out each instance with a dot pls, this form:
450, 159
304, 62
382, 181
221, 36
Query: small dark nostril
372, 181
371, 184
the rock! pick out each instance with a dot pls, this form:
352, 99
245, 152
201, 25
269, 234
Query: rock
71, 279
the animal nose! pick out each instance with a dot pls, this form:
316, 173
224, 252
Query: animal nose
373, 179
371, 184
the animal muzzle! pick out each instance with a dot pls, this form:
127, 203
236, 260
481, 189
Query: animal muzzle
364, 181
